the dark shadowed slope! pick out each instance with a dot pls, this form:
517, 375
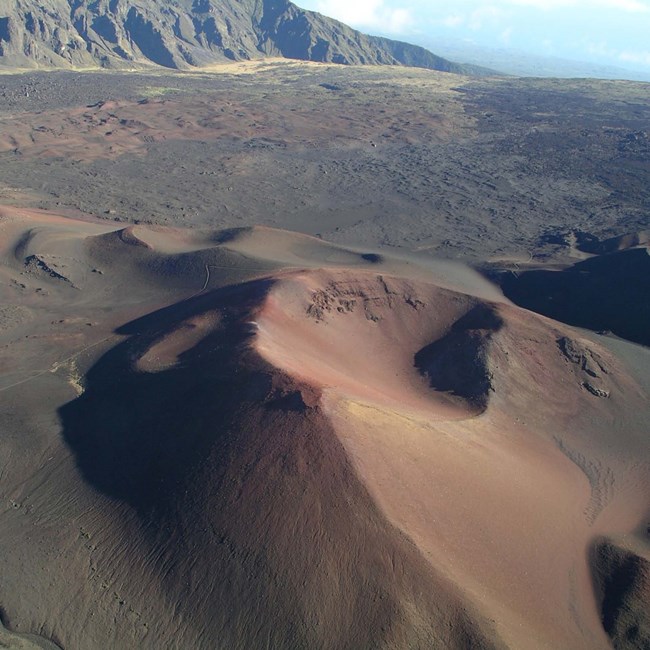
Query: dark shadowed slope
621, 571
610, 292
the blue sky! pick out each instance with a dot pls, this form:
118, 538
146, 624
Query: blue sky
612, 32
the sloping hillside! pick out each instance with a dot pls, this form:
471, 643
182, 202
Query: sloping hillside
187, 33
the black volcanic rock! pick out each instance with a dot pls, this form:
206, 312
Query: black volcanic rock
187, 33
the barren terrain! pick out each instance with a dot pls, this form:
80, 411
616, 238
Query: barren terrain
263, 380
398, 157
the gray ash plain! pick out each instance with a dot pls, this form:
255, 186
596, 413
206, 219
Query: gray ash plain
464, 168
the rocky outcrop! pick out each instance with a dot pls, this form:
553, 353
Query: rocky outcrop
188, 33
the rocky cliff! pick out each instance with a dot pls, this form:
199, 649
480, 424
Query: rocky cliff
188, 33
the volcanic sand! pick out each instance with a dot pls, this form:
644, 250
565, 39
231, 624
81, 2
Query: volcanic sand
295, 443
508, 499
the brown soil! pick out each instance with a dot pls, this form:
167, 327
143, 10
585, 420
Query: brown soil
236, 436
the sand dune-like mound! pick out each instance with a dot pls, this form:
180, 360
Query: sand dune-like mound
423, 384
411, 337
294, 444
270, 538
357, 332
337, 417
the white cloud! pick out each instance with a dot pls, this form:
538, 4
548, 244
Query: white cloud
399, 21
410, 16
630, 6
549, 46
374, 14
601, 31
636, 58
454, 20
626, 57
506, 35
487, 15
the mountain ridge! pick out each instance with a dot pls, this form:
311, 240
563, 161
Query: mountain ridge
182, 34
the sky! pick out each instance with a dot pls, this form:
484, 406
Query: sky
609, 32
